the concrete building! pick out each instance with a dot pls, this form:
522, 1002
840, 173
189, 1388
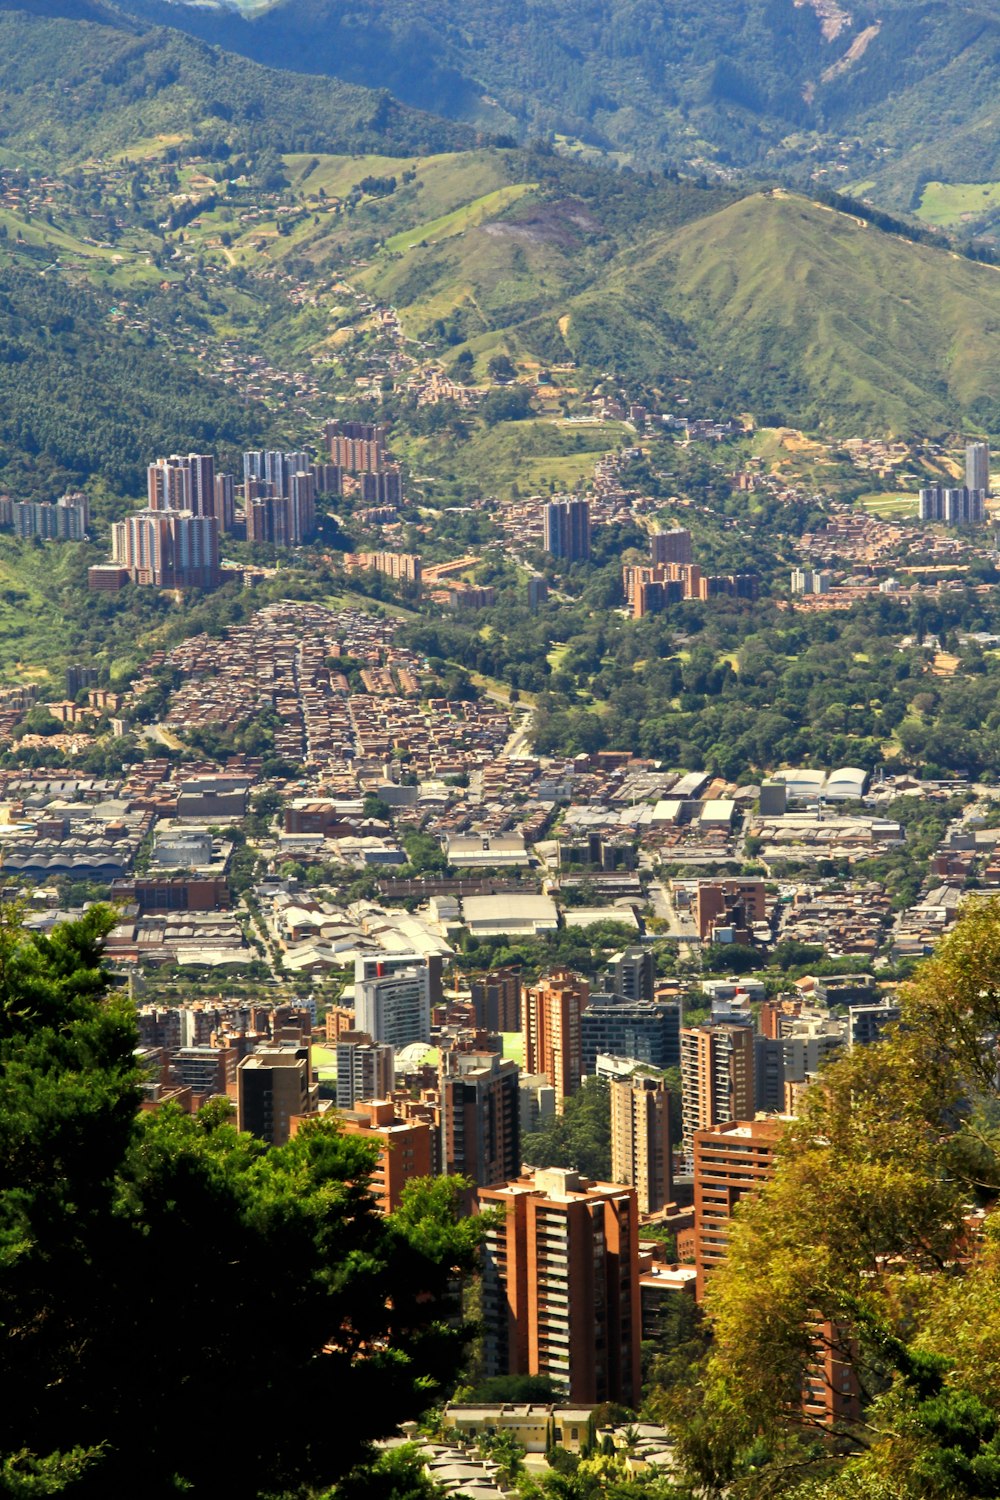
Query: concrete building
647, 1030
550, 1026
977, 467
561, 1285
364, 1069
274, 1087
496, 998
205, 1070
717, 1076
632, 973
404, 1148
566, 526
536, 1100
168, 549
395, 1007
866, 1023
640, 1140
732, 904
670, 547
731, 1159
480, 1116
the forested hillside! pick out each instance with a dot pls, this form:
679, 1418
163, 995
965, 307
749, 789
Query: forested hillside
83, 395
121, 82
768, 84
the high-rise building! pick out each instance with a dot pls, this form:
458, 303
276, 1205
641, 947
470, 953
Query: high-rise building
731, 1159
364, 1069
496, 999
269, 520
567, 529
404, 1148
647, 1030
956, 506
168, 484
168, 549
395, 1007
640, 1139
977, 467
561, 1285
274, 1088
550, 1026
768, 1075
358, 447
201, 483
866, 1023
633, 973
480, 1116
225, 502
302, 506
670, 546
205, 1070
537, 1100
717, 1077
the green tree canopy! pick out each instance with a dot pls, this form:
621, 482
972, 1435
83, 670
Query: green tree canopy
878, 1238
163, 1277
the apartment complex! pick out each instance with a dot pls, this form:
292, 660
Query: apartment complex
640, 1139
496, 999
365, 1068
566, 529
168, 548
671, 546
274, 1088
717, 1076
395, 1007
404, 1148
550, 1026
561, 1285
730, 1160
480, 1116
977, 467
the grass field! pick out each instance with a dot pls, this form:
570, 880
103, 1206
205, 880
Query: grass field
945, 203
890, 507
513, 1046
460, 219
324, 1060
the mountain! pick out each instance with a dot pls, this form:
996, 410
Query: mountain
79, 78
769, 303
889, 92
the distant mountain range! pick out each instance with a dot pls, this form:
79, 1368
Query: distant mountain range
742, 299
890, 93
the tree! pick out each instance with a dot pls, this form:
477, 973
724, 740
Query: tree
862, 1241
580, 1137
157, 1265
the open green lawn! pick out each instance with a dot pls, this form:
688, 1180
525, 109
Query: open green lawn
890, 507
324, 1060
945, 203
513, 1046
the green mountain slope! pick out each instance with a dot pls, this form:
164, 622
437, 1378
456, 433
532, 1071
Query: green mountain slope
812, 317
771, 304
84, 395
94, 81
883, 90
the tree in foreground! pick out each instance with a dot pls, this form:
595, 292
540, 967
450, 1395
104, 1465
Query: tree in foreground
184, 1309
879, 1233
